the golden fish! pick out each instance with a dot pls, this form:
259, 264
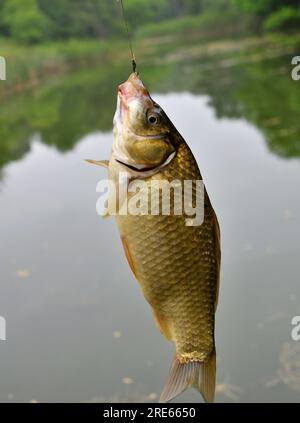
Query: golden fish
176, 265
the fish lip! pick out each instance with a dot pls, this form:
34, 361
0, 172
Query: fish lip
132, 88
122, 97
126, 95
120, 90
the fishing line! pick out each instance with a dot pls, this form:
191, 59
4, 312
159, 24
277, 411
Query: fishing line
128, 35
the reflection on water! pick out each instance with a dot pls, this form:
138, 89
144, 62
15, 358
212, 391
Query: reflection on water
78, 327
65, 110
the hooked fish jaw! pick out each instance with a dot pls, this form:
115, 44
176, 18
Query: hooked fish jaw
132, 88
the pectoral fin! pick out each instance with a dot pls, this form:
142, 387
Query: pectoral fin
102, 163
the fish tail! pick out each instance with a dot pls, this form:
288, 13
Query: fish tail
198, 374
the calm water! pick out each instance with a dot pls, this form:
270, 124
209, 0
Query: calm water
77, 324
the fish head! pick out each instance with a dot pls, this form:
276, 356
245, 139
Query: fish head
143, 134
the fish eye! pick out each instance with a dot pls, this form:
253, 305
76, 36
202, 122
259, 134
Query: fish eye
153, 119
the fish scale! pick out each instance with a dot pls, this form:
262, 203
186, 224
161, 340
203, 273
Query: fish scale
176, 265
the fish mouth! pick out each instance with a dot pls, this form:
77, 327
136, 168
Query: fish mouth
137, 167
143, 168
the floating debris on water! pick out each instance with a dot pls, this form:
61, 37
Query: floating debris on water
127, 381
272, 318
131, 397
276, 317
116, 334
289, 367
22, 273
232, 392
153, 396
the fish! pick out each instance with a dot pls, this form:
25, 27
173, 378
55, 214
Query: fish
176, 264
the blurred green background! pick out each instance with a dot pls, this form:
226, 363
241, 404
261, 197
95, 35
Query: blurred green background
78, 327
38, 21
44, 40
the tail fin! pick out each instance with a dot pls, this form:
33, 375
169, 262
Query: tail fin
199, 374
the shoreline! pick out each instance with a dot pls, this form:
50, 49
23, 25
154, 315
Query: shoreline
29, 66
